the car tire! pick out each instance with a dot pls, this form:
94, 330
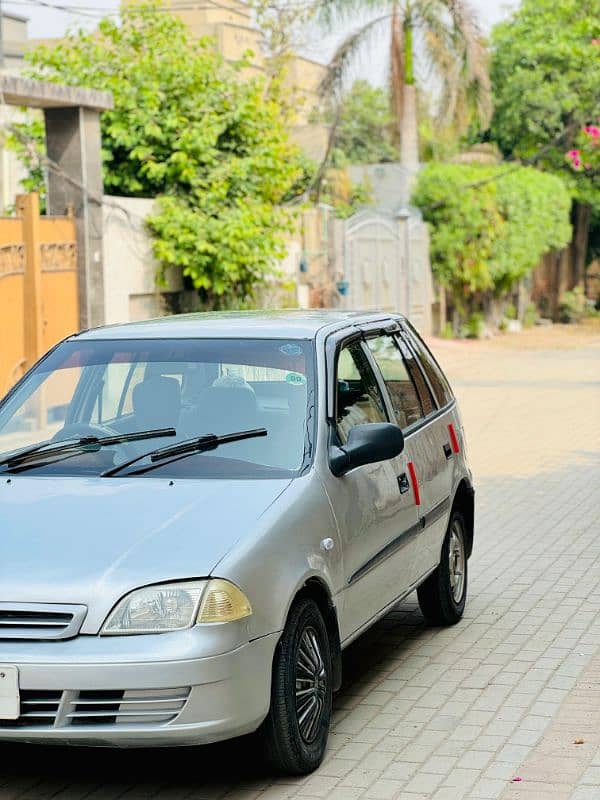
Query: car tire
294, 734
443, 595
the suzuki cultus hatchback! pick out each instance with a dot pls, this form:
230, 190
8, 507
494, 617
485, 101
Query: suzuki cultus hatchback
199, 513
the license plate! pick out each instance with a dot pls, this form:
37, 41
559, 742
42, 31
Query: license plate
9, 692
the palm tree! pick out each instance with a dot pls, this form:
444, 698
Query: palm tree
445, 32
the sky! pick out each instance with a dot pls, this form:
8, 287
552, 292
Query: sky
47, 20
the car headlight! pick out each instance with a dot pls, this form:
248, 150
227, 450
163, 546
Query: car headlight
176, 606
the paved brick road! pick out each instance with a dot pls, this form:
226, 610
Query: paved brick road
454, 713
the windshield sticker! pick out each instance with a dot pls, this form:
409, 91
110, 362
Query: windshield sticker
295, 378
291, 350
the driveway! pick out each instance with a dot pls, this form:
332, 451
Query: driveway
511, 692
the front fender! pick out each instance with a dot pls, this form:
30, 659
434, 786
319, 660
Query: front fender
272, 563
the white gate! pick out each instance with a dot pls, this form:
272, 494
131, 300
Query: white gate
385, 265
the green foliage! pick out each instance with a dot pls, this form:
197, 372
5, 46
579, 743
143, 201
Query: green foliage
474, 326
281, 26
573, 306
27, 141
530, 315
363, 134
463, 224
189, 129
545, 77
585, 156
346, 197
490, 224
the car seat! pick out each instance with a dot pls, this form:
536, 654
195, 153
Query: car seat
157, 403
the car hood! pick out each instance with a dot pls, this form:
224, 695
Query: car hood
91, 540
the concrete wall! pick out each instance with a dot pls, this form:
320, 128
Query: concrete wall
130, 290
369, 251
13, 30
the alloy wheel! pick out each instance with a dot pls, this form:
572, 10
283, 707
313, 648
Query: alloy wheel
311, 685
457, 560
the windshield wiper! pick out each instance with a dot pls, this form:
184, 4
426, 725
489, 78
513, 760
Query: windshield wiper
43, 453
201, 444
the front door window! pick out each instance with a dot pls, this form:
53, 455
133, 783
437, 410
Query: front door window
359, 400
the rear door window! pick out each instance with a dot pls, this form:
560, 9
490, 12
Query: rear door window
435, 376
416, 373
399, 383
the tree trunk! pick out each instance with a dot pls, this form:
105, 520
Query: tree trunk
396, 73
409, 136
579, 244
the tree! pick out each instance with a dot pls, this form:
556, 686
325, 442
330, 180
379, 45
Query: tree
364, 128
489, 225
445, 31
281, 25
586, 155
545, 75
188, 130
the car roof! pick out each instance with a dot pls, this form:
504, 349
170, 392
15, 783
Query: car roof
299, 324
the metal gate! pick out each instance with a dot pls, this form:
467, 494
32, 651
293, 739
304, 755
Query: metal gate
374, 268
38, 286
385, 265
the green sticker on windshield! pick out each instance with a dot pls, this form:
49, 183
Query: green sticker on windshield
296, 378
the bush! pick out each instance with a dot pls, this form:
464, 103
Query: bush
490, 224
474, 327
572, 307
447, 331
530, 316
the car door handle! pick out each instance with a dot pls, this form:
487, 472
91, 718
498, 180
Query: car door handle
447, 450
403, 483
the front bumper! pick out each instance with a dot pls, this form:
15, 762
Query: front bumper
138, 691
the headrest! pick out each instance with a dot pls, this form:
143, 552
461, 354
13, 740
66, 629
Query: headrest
228, 408
157, 402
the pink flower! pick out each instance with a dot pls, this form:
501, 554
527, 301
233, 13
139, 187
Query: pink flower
573, 154
596, 42
593, 131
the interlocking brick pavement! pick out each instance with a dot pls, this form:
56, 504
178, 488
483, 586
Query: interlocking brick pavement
457, 713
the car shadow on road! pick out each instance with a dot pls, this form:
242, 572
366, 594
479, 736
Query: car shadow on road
50, 771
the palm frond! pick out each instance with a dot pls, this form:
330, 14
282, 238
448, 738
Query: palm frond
346, 53
333, 12
457, 55
476, 66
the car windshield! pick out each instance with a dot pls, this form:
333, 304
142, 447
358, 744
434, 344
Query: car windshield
89, 388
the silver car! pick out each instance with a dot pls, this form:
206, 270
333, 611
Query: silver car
199, 513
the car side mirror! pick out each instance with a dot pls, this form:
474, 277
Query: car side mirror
367, 444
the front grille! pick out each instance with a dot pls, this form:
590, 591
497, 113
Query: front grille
37, 708
92, 707
40, 620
